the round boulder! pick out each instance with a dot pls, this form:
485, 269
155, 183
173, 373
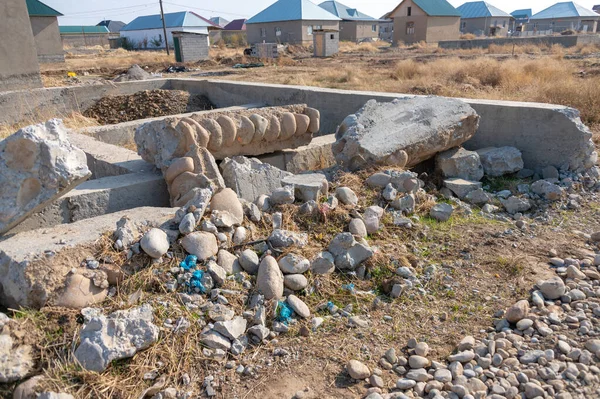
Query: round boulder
270, 280
155, 243
227, 200
200, 243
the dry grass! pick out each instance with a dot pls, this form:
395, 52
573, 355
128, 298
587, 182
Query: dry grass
366, 47
73, 120
119, 58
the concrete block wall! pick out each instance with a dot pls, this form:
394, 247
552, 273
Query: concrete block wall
194, 47
565, 41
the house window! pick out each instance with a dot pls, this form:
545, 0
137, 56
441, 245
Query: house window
464, 25
410, 28
504, 24
332, 36
277, 31
374, 28
263, 32
309, 30
409, 12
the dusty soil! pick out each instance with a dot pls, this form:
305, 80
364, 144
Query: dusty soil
146, 104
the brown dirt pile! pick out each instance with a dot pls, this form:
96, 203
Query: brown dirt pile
146, 104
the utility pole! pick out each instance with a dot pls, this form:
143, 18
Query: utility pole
162, 16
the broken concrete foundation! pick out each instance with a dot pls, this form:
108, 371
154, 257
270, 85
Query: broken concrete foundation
546, 134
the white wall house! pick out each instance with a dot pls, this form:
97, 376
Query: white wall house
147, 31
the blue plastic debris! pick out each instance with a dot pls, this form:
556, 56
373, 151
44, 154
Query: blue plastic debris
330, 306
284, 312
196, 281
349, 287
189, 262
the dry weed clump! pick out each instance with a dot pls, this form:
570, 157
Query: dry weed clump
71, 120
365, 47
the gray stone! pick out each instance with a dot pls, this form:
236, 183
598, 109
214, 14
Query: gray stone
478, 197
550, 172
240, 235
308, 187
379, 180
357, 227
200, 243
500, 161
217, 273
101, 341
286, 239
515, 204
298, 306
270, 279
533, 391
226, 201
213, 340
349, 253
418, 362
282, 196
403, 132
553, 288
441, 212
547, 190
231, 329
187, 224
460, 163
295, 282
323, 263
462, 357
293, 264
249, 261
346, 196
358, 370
419, 375
251, 178
228, 261
15, 361
405, 204
389, 193
38, 165
405, 383
462, 187
517, 311
155, 243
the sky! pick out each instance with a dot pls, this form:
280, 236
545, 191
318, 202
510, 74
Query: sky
90, 12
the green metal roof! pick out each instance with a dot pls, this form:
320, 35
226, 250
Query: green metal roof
75, 29
36, 8
437, 8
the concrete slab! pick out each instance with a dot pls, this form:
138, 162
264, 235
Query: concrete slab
35, 264
122, 134
315, 156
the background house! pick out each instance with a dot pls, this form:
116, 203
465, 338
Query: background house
386, 27
233, 33
483, 19
289, 21
219, 21
430, 21
521, 19
147, 31
564, 16
83, 36
354, 25
44, 24
113, 26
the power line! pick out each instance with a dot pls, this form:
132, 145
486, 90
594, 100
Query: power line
111, 9
204, 9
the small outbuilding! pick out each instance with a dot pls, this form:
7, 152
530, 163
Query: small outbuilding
190, 46
564, 16
355, 26
520, 20
326, 43
289, 21
44, 24
430, 21
146, 32
483, 19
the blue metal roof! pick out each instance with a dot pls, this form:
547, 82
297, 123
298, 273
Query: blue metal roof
292, 10
344, 12
480, 9
565, 10
436, 8
80, 29
183, 19
524, 13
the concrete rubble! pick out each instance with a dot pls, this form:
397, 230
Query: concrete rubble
235, 253
403, 132
38, 165
113, 337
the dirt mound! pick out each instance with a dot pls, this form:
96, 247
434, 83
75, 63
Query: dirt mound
146, 104
133, 73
